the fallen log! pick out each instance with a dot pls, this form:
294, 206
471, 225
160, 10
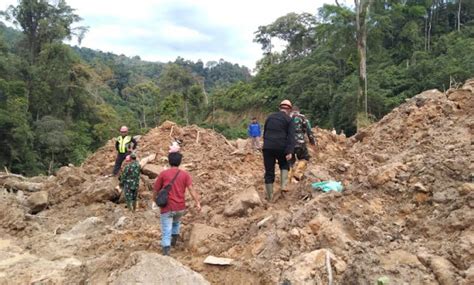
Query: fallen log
16, 185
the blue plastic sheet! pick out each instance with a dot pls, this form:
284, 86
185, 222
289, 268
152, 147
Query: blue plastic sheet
327, 186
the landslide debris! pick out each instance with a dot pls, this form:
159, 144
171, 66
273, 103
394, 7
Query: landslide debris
406, 213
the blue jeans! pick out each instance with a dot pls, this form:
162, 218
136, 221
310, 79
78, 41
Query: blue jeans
170, 223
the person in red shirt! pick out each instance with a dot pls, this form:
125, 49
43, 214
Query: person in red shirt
171, 214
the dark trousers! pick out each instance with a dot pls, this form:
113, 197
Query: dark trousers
270, 156
301, 152
118, 161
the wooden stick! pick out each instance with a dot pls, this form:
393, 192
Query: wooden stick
328, 267
197, 137
171, 131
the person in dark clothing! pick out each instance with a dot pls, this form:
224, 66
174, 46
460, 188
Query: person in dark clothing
278, 145
124, 144
302, 127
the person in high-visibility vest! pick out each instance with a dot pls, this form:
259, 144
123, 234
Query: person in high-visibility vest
124, 144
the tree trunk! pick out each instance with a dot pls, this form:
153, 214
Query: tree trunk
459, 16
429, 26
144, 117
186, 113
362, 9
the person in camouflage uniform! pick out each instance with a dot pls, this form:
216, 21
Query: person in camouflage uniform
129, 181
302, 127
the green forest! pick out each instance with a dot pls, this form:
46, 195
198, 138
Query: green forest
59, 103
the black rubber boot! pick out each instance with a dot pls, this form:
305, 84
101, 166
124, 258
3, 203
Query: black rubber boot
174, 239
166, 250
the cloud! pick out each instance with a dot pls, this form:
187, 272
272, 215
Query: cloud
162, 30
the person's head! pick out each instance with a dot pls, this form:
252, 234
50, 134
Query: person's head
286, 106
254, 120
174, 158
123, 130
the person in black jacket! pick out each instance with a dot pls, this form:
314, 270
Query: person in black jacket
278, 145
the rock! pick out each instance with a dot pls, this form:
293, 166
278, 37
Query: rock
329, 233
37, 202
241, 145
264, 221
218, 260
469, 275
419, 187
152, 170
121, 222
310, 268
101, 190
74, 180
394, 259
201, 233
384, 174
239, 204
466, 188
152, 268
295, 234
441, 267
80, 230
320, 173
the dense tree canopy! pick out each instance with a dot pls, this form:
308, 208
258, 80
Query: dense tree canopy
59, 103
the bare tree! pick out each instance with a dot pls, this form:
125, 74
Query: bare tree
459, 15
362, 11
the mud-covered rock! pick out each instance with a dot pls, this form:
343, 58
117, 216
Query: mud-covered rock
38, 201
239, 204
152, 268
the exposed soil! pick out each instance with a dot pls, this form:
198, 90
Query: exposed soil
406, 212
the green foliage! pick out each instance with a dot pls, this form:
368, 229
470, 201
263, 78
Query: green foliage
318, 68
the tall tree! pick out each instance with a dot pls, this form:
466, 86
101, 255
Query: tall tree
362, 11
44, 22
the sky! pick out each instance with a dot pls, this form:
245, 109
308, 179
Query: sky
162, 30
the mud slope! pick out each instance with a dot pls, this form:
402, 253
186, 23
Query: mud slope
406, 213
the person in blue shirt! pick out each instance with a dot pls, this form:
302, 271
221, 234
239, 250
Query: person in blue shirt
254, 133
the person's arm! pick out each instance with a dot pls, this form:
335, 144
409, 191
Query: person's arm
259, 130
248, 130
134, 143
195, 196
116, 145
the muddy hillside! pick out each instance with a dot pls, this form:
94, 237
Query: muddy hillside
405, 215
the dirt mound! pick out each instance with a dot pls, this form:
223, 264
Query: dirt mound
405, 214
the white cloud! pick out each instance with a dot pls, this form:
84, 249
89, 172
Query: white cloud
193, 29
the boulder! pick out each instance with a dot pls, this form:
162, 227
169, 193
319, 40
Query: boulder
74, 180
152, 170
38, 201
442, 268
239, 204
200, 233
384, 174
152, 268
310, 268
101, 190
82, 229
